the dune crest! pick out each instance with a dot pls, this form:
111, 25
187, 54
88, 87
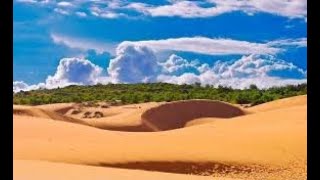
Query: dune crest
280, 104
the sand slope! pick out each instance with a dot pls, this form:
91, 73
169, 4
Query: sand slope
280, 104
118, 118
263, 145
52, 113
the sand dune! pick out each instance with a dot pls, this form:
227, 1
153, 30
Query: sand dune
262, 145
144, 117
279, 104
60, 108
176, 114
199, 121
118, 118
78, 135
44, 113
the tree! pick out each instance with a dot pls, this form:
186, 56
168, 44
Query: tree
242, 98
134, 93
253, 87
197, 84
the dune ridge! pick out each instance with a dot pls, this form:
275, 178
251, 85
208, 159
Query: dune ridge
144, 117
280, 104
43, 113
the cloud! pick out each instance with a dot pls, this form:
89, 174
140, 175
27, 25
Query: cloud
64, 4
37, 2
22, 86
194, 9
81, 14
27, 1
61, 11
70, 71
82, 44
106, 13
133, 64
300, 42
264, 71
186, 78
198, 44
291, 9
186, 8
176, 64
204, 45
74, 71
110, 15
19, 85
255, 66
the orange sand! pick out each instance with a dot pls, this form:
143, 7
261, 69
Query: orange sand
265, 144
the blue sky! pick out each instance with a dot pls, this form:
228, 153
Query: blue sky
217, 42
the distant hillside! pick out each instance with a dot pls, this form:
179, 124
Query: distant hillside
137, 93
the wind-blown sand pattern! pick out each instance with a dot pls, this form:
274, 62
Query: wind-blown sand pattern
208, 139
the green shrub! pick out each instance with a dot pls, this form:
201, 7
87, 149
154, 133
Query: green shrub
137, 93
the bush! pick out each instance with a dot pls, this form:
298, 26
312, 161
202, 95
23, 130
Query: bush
117, 94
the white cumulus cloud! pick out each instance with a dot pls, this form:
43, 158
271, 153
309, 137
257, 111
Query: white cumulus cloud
255, 66
74, 71
70, 71
176, 64
264, 71
19, 85
133, 64
22, 86
186, 78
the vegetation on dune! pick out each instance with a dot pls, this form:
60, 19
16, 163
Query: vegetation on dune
138, 93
